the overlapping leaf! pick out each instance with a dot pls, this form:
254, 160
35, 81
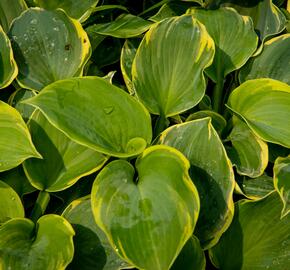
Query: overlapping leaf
94, 113
149, 219
48, 46
64, 161
264, 105
211, 172
167, 75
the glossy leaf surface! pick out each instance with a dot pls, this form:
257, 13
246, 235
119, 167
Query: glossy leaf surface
125, 26
264, 105
229, 31
48, 46
249, 153
8, 67
64, 161
257, 237
282, 182
15, 139
273, 62
149, 219
50, 247
211, 172
92, 248
168, 76
93, 112
11, 205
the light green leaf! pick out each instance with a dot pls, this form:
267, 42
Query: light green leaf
48, 46
282, 182
264, 105
217, 121
229, 31
256, 188
168, 76
149, 219
78, 9
8, 67
64, 161
211, 172
127, 56
47, 245
9, 10
249, 153
191, 256
106, 7
11, 205
15, 139
92, 248
125, 26
17, 179
273, 62
256, 239
96, 114
267, 18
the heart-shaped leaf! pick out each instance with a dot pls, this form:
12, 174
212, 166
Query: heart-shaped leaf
249, 153
168, 76
264, 105
149, 219
64, 161
282, 182
92, 248
48, 46
211, 172
8, 67
15, 139
257, 237
229, 31
125, 26
94, 113
273, 62
47, 245
11, 205
78, 9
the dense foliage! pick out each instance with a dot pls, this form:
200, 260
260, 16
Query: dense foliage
144, 134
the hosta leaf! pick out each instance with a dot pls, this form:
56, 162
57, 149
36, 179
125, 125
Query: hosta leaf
47, 245
64, 161
125, 26
8, 67
17, 179
149, 219
127, 56
264, 105
168, 76
78, 9
273, 62
48, 46
229, 31
9, 10
92, 248
191, 256
268, 19
211, 172
97, 114
249, 153
15, 139
257, 237
282, 182
11, 205
217, 121
256, 188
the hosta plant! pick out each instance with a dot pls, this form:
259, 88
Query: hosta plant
146, 134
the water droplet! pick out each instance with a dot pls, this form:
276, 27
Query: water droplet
33, 21
25, 37
125, 180
14, 38
109, 109
56, 28
52, 44
13, 198
117, 250
54, 19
